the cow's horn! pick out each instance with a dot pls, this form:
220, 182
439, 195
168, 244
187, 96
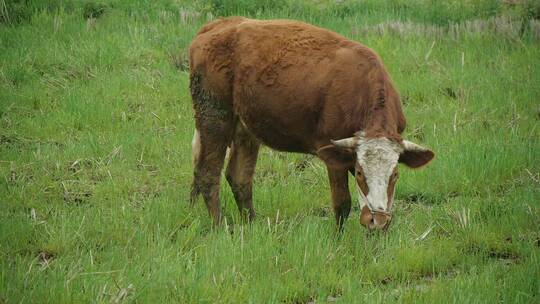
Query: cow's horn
349, 142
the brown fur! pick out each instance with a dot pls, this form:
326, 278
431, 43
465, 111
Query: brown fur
392, 187
361, 180
291, 86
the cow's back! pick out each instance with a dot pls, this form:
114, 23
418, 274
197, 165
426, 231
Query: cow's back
293, 85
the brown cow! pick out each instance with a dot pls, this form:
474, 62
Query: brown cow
295, 87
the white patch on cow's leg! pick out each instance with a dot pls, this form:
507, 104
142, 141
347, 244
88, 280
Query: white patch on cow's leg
228, 154
196, 146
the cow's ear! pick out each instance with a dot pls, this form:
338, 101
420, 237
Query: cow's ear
338, 158
415, 156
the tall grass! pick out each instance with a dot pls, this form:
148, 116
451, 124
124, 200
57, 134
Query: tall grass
95, 162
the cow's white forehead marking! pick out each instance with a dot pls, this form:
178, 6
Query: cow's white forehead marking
378, 157
377, 152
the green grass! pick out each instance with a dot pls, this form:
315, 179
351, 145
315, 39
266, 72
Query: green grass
95, 164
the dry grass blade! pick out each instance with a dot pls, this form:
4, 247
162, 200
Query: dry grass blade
122, 294
504, 26
425, 234
462, 217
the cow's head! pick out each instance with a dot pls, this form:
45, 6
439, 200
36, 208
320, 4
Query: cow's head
375, 163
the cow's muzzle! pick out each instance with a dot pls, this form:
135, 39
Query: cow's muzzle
375, 220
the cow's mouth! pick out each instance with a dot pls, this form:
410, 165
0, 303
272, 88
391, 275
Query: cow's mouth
375, 220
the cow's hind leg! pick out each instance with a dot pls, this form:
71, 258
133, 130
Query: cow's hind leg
207, 170
341, 198
214, 128
242, 162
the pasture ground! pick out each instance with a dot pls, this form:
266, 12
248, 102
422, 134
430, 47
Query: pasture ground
95, 161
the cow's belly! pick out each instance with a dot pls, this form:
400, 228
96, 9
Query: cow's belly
278, 122
276, 138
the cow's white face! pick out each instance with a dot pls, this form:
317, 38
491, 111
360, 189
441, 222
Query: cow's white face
375, 165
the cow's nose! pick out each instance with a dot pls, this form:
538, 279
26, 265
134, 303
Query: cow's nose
375, 220
381, 220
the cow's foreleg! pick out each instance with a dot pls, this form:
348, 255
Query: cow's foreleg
243, 158
341, 198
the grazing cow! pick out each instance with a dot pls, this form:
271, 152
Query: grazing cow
298, 88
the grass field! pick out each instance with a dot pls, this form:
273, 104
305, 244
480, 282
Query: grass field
95, 161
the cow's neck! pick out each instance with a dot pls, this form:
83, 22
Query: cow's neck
382, 122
